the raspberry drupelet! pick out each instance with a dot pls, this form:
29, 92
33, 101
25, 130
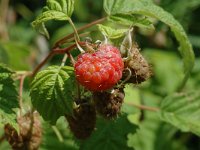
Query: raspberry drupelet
100, 70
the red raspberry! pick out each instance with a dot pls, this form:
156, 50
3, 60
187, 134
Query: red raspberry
100, 70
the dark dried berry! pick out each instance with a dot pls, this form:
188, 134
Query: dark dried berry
13, 138
83, 121
139, 67
29, 137
108, 104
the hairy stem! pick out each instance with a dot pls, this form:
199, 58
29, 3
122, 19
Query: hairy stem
80, 35
4, 4
63, 40
75, 31
143, 107
71, 58
52, 53
58, 134
64, 59
21, 92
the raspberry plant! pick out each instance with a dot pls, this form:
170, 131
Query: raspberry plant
86, 98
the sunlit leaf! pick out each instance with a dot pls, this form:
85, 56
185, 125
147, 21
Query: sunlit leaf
110, 32
54, 10
154, 130
131, 20
8, 98
183, 111
51, 92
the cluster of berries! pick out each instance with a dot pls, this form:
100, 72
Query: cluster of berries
104, 73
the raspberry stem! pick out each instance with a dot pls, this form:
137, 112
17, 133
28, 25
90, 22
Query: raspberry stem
71, 58
63, 40
143, 107
79, 47
51, 54
64, 59
76, 36
75, 31
58, 134
22, 77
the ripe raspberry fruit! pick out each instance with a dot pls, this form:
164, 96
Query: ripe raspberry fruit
100, 70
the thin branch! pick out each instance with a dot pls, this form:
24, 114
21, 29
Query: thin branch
21, 83
61, 41
4, 4
58, 134
73, 38
75, 31
64, 59
52, 53
71, 58
143, 107
56, 50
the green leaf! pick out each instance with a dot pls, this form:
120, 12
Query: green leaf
51, 92
8, 98
154, 130
54, 10
110, 135
183, 111
131, 20
110, 32
147, 8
